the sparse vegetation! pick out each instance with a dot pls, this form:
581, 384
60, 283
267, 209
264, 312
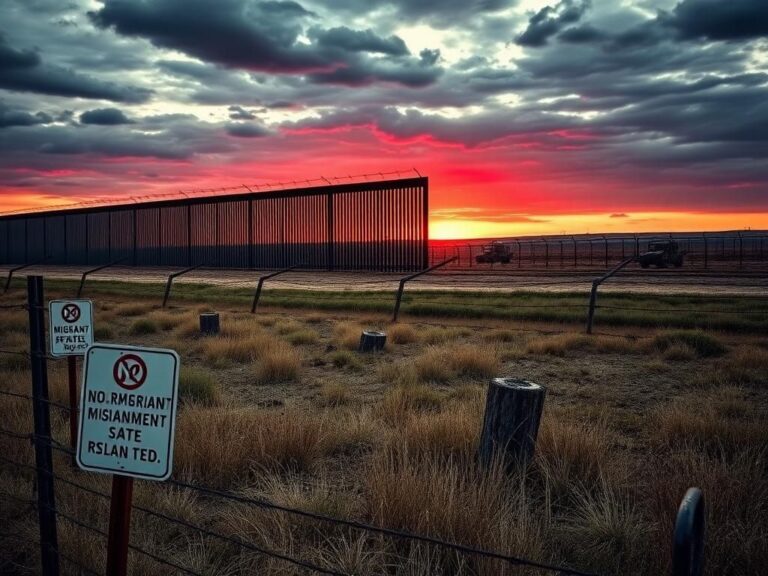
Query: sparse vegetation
629, 425
142, 327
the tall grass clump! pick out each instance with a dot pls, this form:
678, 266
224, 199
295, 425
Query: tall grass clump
703, 344
198, 386
277, 364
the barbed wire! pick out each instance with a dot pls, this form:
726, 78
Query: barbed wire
212, 192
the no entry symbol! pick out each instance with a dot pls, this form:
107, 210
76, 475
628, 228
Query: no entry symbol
130, 371
70, 313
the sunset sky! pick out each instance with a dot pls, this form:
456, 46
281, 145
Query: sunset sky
529, 117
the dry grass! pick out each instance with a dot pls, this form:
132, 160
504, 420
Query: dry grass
402, 334
623, 437
441, 365
223, 350
561, 344
399, 402
277, 364
132, 309
303, 337
346, 335
199, 386
335, 394
346, 358
703, 345
223, 446
571, 455
142, 327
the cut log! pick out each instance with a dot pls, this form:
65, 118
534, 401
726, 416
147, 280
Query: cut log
209, 324
513, 410
372, 341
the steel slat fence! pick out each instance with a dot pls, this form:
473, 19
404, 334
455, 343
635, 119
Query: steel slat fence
374, 226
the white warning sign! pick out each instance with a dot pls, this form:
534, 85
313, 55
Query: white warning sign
128, 411
71, 327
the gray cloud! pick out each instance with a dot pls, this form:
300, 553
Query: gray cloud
264, 37
549, 21
104, 117
246, 130
24, 71
719, 20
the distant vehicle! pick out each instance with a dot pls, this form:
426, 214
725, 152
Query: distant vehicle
495, 252
662, 253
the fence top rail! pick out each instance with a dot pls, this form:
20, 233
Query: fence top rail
250, 195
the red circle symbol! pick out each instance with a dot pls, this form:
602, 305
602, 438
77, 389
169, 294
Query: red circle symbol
70, 313
130, 371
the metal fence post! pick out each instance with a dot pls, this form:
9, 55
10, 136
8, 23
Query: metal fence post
46, 499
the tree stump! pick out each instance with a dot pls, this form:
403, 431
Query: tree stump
372, 341
209, 324
511, 423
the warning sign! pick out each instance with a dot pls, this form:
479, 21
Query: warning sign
71, 327
128, 411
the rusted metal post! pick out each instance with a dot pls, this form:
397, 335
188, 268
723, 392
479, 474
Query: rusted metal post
119, 525
257, 295
593, 294
172, 277
410, 277
46, 497
93, 270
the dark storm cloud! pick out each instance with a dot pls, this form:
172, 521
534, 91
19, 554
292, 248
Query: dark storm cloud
246, 130
264, 37
105, 117
581, 34
9, 117
720, 19
24, 71
550, 20
175, 137
360, 41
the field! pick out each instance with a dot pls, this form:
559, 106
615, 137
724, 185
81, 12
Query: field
671, 394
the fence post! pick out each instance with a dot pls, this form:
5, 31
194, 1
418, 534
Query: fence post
592, 302
688, 538
401, 287
46, 499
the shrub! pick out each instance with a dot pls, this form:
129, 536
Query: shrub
142, 327
200, 386
704, 345
559, 344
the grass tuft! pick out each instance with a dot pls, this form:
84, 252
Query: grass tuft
199, 386
143, 327
704, 345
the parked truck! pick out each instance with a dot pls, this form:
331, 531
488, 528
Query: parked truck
496, 252
662, 253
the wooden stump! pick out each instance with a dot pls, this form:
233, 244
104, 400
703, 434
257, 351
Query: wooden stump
209, 324
372, 341
511, 423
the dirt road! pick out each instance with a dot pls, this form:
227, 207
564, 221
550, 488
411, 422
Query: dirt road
631, 281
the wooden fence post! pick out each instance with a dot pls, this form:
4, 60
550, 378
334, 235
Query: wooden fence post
513, 410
